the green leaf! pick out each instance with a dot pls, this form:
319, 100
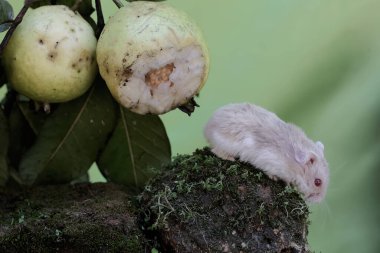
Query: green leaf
138, 147
40, 3
82, 179
21, 135
2, 75
6, 15
84, 8
146, 0
34, 118
4, 143
70, 139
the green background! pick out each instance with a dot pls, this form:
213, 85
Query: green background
316, 64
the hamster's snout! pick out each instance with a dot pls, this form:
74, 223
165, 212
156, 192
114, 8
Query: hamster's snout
314, 197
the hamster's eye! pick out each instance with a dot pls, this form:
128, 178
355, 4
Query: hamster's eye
317, 182
311, 160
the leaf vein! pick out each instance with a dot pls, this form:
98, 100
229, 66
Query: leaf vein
124, 121
76, 120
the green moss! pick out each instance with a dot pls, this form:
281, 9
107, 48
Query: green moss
89, 218
201, 192
200, 203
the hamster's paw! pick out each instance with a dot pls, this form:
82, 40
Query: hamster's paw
273, 177
221, 154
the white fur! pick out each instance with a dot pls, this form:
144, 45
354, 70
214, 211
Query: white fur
280, 149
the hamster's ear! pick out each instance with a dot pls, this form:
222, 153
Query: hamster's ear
320, 145
300, 157
305, 159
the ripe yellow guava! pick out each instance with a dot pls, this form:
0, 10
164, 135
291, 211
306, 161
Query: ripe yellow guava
152, 57
51, 55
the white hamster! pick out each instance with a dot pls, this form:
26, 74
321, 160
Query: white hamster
281, 150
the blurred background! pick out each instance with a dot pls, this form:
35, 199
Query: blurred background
314, 63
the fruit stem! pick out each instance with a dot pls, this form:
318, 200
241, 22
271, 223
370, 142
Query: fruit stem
189, 107
76, 5
100, 18
118, 3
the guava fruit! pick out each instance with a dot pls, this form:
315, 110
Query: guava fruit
51, 55
153, 57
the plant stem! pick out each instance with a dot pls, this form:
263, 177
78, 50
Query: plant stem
76, 5
15, 23
100, 18
118, 3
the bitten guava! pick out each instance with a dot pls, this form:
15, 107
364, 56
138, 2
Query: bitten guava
51, 55
152, 57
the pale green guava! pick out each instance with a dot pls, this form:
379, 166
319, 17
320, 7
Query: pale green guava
152, 57
51, 55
